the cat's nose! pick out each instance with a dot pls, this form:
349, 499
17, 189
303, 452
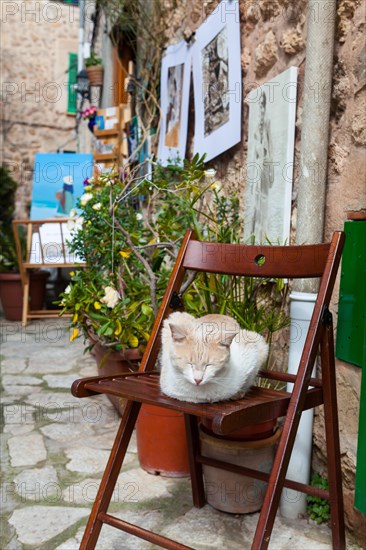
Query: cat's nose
198, 381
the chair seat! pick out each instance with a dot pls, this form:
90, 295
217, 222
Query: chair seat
259, 405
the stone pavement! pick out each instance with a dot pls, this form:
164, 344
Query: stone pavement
54, 449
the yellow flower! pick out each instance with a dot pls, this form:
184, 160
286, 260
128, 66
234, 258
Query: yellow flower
74, 334
75, 318
125, 253
133, 341
97, 305
72, 273
118, 330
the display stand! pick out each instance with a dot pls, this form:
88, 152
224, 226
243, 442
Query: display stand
46, 246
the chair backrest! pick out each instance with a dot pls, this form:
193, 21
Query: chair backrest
300, 261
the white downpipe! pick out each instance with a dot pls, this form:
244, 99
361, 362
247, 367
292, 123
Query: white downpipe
293, 502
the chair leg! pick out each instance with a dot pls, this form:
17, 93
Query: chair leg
280, 465
332, 438
193, 443
110, 475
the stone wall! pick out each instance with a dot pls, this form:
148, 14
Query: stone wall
37, 38
273, 34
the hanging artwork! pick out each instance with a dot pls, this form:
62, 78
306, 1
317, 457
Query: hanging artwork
217, 81
175, 83
269, 174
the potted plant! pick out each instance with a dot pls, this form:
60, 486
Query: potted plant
94, 68
11, 292
130, 237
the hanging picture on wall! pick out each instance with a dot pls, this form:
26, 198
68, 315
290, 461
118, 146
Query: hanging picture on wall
217, 81
175, 83
270, 161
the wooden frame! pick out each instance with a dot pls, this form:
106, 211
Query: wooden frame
35, 259
260, 404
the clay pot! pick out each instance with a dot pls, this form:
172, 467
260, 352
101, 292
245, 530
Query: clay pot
262, 430
161, 442
95, 75
230, 492
11, 293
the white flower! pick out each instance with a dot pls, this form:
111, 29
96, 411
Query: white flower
67, 289
85, 198
111, 297
79, 222
90, 180
139, 216
210, 173
75, 223
97, 206
72, 213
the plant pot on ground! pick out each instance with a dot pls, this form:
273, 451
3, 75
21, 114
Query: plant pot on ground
229, 491
11, 292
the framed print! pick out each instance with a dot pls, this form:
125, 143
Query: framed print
58, 181
175, 83
217, 81
269, 174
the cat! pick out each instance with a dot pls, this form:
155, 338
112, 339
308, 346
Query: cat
208, 359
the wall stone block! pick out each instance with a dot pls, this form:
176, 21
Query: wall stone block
266, 54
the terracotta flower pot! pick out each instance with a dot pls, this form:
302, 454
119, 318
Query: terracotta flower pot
11, 293
231, 492
161, 442
262, 430
95, 75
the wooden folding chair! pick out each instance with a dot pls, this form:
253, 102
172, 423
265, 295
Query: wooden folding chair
46, 246
260, 405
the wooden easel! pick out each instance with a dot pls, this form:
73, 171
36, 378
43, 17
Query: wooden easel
41, 253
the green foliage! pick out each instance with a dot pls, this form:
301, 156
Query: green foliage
318, 508
92, 60
8, 255
130, 235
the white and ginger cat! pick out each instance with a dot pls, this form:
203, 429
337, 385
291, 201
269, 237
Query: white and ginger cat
208, 359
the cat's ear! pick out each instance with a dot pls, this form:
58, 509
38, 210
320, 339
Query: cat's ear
227, 338
178, 332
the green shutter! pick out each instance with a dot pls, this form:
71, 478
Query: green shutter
73, 69
351, 329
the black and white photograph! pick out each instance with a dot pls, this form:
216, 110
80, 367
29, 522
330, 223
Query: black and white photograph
175, 82
217, 81
272, 113
215, 71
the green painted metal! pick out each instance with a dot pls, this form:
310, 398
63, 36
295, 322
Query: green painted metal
351, 329
360, 492
351, 333
73, 69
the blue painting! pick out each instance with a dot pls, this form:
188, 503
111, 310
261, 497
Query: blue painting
58, 181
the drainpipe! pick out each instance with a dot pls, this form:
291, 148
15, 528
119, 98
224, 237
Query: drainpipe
310, 216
